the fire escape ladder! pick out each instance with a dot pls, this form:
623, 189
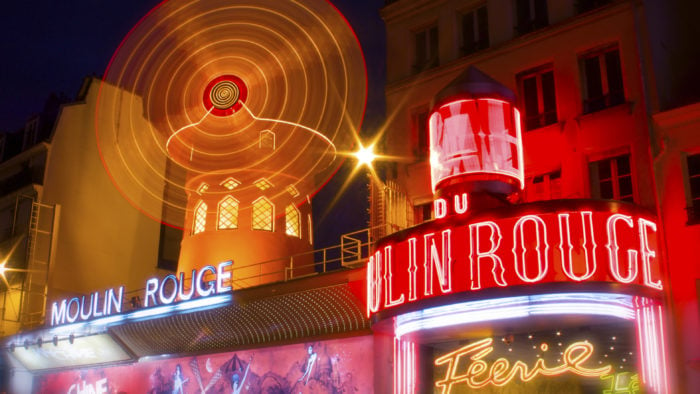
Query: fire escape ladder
39, 245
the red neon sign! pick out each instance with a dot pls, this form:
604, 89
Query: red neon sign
473, 252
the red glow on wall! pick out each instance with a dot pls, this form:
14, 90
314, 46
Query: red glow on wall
476, 139
466, 254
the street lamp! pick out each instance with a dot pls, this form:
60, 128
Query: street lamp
365, 155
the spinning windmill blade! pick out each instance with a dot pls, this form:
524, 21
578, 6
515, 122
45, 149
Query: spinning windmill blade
246, 89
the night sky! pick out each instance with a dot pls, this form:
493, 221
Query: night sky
49, 46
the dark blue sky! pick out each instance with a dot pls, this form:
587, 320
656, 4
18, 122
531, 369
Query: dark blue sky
50, 45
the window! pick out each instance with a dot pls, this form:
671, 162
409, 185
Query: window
612, 178
532, 15
200, 218
475, 30
292, 191
228, 213
426, 49
693, 162
31, 131
230, 183
263, 184
421, 144
267, 140
202, 188
423, 212
602, 80
538, 96
543, 187
293, 220
263, 214
587, 5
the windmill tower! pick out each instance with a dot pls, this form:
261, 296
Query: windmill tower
224, 118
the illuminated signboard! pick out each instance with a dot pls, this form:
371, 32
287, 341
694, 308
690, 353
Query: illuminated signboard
93, 349
580, 241
475, 139
205, 282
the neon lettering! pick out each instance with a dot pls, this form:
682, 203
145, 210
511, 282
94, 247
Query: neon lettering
461, 203
222, 276
83, 315
374, 282
476, 254
115, 302
151, 288
440, 208
388, 294
519, 249
455, 254
613, 249
412, 268
202, 292
181, 287
589, 246
646, 253
95, 312
58, 313
442, 264
478, 374
162, 297
70, 317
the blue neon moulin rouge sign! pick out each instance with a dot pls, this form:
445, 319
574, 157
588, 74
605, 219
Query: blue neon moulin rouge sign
161, 296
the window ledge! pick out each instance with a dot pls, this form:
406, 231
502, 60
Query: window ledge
558, 126
627, 106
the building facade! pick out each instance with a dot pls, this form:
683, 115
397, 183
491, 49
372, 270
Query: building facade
537, 217
598, 123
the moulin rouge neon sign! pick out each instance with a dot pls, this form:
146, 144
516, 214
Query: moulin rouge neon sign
478, 373
462, 253
205, 282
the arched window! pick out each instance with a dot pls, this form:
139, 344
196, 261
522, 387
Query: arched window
228, 213
200, 218
267, 140
293, 221
263, 214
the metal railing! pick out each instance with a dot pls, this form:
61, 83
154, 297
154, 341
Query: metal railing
353, 251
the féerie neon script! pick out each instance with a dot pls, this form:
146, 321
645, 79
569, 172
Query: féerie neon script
479, 374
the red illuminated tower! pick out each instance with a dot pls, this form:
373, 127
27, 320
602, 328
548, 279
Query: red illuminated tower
475, 141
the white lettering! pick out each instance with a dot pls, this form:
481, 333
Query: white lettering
613, 249
589, 247
222, 276
476, 254
388, 274
181, 286
440, 208
442, 264
162, 297
151, 289
519, 249
58, 314
647, 253
200, 276
69, 315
